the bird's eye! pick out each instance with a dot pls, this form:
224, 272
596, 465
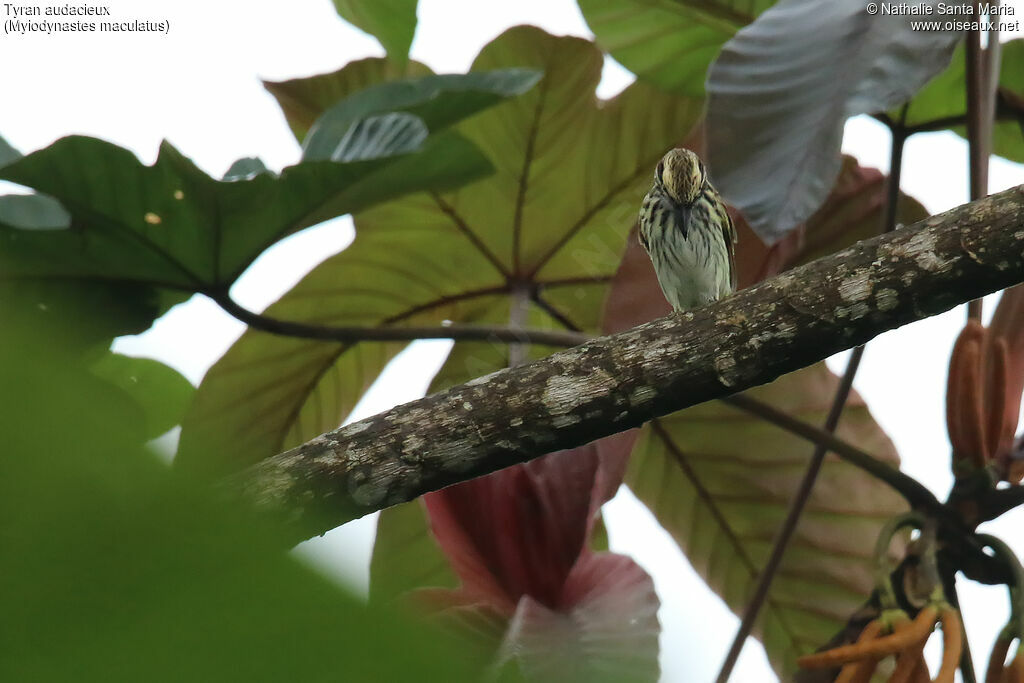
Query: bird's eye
660, 169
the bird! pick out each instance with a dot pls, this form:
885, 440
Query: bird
688, 233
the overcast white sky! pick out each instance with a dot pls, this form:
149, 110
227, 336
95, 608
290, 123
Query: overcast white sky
198, 86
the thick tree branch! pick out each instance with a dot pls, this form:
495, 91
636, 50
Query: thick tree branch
612, 383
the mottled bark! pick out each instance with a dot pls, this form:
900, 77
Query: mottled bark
613, 383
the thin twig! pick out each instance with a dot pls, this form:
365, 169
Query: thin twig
899, 137
357, 333
979, 127
975, 111
796, 509
1005, 110
966, 659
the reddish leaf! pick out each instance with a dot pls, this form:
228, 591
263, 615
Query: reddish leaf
518, 531
852, 211
607, 631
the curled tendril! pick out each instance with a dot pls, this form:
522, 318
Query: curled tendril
883, 568
998, 671
893, 633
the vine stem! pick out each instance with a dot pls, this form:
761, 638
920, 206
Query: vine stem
982, 67
796, 510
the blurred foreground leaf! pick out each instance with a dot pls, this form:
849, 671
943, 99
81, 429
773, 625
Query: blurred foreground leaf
116, 570
161, 392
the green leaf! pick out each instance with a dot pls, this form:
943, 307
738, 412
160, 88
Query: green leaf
28, 211
668, 43
570, 176
303, 100
945, 97
439, 101
32, 212
246, 167
782, 89
1008, 136
172, 225
392, 22
7, 152
125, 570
160, 391
406, 556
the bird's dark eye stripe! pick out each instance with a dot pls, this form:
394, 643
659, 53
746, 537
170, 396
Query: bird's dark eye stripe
661, 168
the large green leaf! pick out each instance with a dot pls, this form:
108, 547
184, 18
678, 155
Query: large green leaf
115, 569
392, 22
945, 97
172, 225
669, 43
552, 222
303, 100
76, 316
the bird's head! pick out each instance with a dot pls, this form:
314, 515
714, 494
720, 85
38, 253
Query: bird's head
682, 174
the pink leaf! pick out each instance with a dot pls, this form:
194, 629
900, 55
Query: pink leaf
518, 531
607, 629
